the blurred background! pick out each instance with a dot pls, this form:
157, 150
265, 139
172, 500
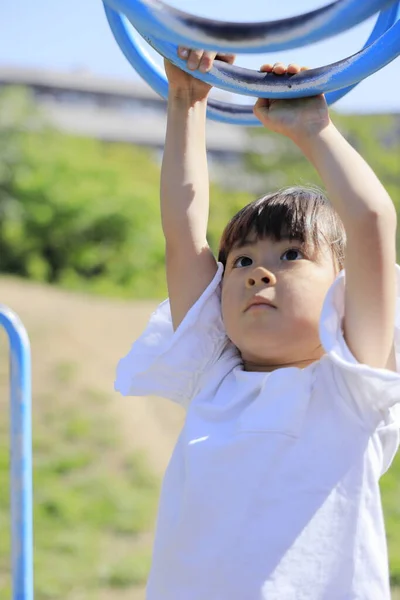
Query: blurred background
81, 262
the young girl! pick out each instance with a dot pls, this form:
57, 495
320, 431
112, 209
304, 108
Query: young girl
283, 353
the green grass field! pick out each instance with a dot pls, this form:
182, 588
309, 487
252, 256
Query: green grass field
94, 504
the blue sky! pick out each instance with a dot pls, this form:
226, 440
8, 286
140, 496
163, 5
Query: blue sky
75, 35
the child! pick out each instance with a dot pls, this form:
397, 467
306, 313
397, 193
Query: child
285, 363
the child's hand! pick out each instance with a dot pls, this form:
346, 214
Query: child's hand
183, 83
296, 118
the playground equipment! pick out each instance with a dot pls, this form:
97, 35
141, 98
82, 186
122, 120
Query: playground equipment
164, 28
21, 456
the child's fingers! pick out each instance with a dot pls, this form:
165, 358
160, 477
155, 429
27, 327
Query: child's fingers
293, 68
183, 52
199, 59
262, 103
279, 68
228, 58
267, 68
207, 61
193, 57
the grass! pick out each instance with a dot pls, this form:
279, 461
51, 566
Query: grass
390, 489
94, 505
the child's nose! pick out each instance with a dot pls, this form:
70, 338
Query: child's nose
260, 276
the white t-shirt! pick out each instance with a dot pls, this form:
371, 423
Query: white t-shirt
272, 490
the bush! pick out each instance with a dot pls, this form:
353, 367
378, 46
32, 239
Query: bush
79, 213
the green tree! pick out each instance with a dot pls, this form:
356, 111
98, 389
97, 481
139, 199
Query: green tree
85, 214
79, 212
376, 137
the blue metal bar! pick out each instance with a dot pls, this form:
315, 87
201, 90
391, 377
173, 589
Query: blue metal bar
143, 63
220, 111
21, 456
321, 80
386, 19
181, 28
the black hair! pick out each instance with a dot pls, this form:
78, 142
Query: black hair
297, 213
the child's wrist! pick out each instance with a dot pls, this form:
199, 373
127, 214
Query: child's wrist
185, 96
312, 136
315, 146
183, 109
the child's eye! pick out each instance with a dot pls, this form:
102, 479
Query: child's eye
242, 261
293, 250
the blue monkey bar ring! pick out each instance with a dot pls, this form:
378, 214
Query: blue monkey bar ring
164, 28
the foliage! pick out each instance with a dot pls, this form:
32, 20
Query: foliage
94, 504
80, 213
390, 489
376, 137
85, 214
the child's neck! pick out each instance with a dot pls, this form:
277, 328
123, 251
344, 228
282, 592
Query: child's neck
264, 365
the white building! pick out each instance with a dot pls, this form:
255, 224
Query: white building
114, 110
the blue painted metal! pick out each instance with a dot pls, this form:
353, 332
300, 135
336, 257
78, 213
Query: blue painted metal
145, 66
221, 111
386, 19
21, 456
152, 18
332, 77
181, 28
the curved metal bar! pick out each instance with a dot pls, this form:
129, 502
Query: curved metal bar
175, 26
143, 63
306, 83
21, 456
220, 111
386, 19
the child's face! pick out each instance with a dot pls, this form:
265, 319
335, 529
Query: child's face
285, 334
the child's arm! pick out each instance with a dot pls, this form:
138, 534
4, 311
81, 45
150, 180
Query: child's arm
190, 264
368, 215
370, 221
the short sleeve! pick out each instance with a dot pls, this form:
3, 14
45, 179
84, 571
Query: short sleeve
373, 393
171, 364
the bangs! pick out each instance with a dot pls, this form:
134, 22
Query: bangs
301, 214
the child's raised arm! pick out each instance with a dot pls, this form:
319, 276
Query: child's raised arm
367, 213
190, 264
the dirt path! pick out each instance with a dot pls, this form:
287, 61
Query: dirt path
85, 335
91, 334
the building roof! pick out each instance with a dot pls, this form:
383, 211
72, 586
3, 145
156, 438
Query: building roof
140, 124
77, 80
81, 80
